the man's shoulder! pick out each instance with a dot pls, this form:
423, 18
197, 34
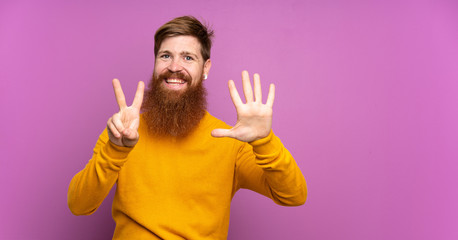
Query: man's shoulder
213, 121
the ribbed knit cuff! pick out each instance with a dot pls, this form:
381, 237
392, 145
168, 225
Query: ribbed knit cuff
267, 145
115, 155
116, 152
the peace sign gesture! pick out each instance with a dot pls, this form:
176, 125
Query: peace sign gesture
254, 119
123, 126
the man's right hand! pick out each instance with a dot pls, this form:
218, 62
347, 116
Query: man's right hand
123, 126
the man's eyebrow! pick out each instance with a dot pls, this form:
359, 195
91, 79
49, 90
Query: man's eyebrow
164, 51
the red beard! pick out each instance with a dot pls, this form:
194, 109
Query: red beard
171, 113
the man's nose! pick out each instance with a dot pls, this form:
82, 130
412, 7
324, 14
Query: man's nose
175, 65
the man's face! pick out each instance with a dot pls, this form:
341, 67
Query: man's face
179, 64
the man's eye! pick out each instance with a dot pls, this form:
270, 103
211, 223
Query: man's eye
165, 56
188, 58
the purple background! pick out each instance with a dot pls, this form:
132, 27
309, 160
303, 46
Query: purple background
366, 101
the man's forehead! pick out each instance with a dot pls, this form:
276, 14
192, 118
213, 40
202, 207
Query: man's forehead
180, 44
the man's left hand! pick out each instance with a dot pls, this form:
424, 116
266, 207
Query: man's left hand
254, 119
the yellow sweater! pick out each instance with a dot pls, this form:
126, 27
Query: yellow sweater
169, 188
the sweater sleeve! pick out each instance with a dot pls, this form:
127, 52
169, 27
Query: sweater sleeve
266, 166
91, 185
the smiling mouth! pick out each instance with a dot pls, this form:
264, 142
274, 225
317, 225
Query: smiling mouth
175, 84
175, 81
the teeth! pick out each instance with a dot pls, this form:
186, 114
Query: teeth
174, 81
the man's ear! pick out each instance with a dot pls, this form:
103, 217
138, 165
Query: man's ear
207, 66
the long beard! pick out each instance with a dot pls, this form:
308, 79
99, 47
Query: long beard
170, 113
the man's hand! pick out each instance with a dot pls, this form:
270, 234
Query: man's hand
254, 119
123, 126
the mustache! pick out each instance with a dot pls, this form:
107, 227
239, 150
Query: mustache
179, 75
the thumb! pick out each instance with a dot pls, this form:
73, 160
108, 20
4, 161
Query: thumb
219, 132
130, 137
135, 123
130, 134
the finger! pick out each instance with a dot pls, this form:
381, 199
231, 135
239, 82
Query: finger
138, 99
234, 94
116, 120
119, 94
271, 96
111, 127
219, 132
257, 88
247, 87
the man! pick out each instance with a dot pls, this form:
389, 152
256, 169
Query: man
177, 167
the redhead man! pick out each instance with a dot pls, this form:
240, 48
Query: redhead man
176, 166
